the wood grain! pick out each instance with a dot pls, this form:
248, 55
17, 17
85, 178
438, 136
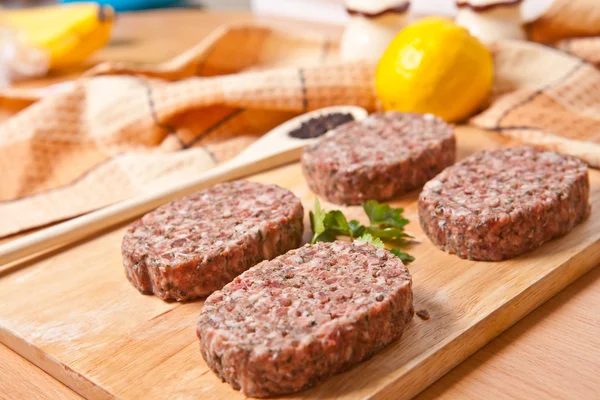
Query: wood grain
514, 365
20, 380
89, 328
553, 353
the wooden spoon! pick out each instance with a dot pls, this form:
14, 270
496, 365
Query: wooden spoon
275, 148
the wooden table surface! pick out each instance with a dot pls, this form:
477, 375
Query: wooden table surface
20, 379
552, 353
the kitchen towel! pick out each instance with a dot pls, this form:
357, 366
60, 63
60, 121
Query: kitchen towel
124, 130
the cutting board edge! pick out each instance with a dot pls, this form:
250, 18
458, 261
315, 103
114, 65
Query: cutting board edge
53, 367
403, 386
90, 389
408, 385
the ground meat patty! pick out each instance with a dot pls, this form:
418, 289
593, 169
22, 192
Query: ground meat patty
287, 323
380, 157
195, 245
498, 204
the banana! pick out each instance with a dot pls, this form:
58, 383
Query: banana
67, 34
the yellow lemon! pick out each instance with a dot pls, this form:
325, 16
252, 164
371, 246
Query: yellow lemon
66, 34
435, 66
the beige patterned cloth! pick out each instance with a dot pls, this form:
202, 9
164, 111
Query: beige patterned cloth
123, 131
566, 19
553, 102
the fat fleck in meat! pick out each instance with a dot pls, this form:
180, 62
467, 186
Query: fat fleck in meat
498, 204
286, 324
195, 245
380, 157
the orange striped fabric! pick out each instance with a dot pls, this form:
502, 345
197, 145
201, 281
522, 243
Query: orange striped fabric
122, 131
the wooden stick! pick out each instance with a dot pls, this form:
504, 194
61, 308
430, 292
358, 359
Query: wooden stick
79, 228
272, 149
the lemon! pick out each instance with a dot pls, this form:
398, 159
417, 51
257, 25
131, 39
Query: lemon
67, 34
435, 66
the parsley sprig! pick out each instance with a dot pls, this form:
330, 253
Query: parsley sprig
386, 225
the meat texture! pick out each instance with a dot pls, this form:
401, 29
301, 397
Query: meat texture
193, 246
498, 204
288, 323
380, 157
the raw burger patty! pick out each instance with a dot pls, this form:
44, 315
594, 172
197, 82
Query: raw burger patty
498, 204
380, 157
195, 245
286, 324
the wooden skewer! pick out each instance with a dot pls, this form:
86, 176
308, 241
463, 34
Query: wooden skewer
271, 150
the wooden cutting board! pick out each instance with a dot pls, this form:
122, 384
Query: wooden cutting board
75, 315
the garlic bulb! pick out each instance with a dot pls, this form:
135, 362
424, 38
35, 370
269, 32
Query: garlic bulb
491, 20
373, 24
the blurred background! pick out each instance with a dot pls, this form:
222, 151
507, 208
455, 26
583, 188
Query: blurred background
319, 10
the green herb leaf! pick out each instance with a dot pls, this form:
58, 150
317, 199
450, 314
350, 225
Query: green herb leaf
384, 215
388, 233
368, 238
336, 222
326, 236
356, 229
317, 219
405, 257
387, 224
327, 225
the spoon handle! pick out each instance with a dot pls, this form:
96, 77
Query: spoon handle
273, 149
65, 233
